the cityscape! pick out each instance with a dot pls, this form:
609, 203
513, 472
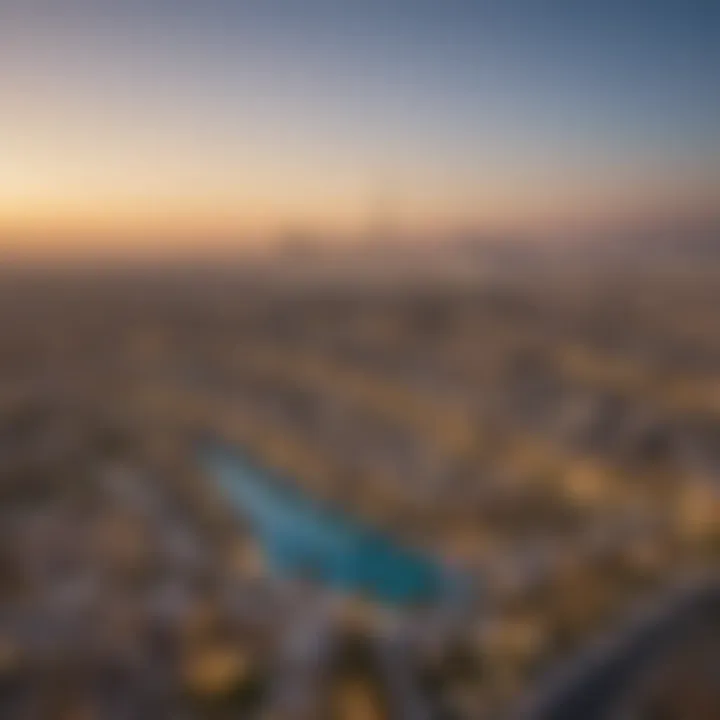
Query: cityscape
553, 437
359, 360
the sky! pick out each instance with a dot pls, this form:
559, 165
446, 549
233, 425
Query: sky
178, 123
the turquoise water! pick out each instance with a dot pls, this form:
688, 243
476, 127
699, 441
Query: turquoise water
303, 538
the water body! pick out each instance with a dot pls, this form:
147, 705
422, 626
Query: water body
302, 537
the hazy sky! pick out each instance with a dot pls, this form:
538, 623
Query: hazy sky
234, 118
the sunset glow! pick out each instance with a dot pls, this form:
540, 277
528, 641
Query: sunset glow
163, 121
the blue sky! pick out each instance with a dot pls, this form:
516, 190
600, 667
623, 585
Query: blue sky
267, 113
